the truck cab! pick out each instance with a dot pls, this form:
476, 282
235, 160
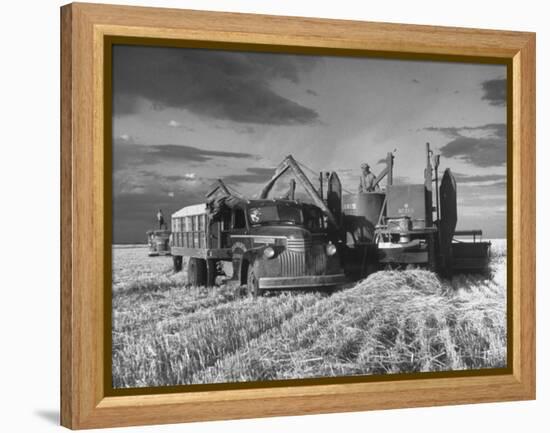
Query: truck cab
272, 244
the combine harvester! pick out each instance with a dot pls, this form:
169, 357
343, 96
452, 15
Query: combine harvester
405, 228
283, 243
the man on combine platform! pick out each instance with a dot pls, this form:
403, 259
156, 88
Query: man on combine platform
367, 181
160, 219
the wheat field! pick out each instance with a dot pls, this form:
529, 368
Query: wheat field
165, 333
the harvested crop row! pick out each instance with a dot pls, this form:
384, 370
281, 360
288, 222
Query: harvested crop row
158, 302
169, 351
132, 268
392, 322
139, 298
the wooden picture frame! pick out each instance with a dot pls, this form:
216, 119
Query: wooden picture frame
85, 217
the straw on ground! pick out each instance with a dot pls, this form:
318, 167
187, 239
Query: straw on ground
165, 333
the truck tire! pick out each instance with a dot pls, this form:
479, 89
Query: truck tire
178, 263
252, 283
196, 272
211, 272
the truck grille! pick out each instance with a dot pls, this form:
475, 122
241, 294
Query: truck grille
298, 245
303, 260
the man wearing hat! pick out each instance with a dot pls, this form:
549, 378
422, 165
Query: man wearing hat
160, 219
367, 181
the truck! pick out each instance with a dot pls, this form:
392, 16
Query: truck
271, 243
158, 242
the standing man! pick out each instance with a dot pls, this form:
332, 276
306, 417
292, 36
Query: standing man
160, 219
367, 181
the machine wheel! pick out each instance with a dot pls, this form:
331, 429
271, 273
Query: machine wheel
196, 272
178, 263
252, 283
211, 272
432, 254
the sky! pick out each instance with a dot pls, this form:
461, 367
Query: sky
183, 118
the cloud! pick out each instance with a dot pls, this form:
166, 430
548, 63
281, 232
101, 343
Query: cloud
126, 138
134, 214
187, 177
489, 195
494, 91
482, 152
178, 125
252, 175
218, 84
127, 155
471, 184
482, 146
496, 129
247, 129
189, 153
466, 178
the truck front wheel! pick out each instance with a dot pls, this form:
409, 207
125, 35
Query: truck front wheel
178, 263
252, 283
196, 272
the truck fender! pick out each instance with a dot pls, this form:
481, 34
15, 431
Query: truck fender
248, 259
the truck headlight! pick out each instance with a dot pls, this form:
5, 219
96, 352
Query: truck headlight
269, 253
331, 249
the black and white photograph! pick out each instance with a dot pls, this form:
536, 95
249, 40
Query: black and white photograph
285, 216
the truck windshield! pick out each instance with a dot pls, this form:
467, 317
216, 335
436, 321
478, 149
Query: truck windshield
313, 218
276, 214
